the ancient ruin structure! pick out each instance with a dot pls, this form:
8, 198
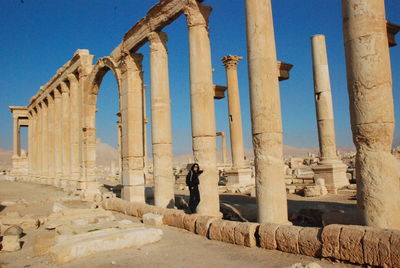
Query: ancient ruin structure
61, 117
369, 79
329, 167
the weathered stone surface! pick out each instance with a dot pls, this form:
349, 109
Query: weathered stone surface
27, 222
79, 229
376, 247
69, 248
78, 217
43, 242
215, 231
228, 231
350, 240
267, 233
152, 219
330, 241
310, 241
10, 243
395, 248
203, 224
13, 230
287, 238
245, 234
189, 222
174, 217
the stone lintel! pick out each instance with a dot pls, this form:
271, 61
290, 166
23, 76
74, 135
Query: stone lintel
219, 92
19, 111
392, 30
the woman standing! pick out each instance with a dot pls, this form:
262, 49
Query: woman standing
192, 181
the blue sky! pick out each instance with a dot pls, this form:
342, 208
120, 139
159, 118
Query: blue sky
39, 36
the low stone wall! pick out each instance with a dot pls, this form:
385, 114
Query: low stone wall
350, 243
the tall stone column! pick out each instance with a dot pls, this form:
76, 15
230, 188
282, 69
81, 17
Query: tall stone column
119, 130
51, 141
44, 143
39, 172
223, 145
369, 81
132, 128
58, 135
31, 145
202, 106
74, 131
330, 167
15, 137
34, 144
265, 113
235, 117
161, 132
66, 137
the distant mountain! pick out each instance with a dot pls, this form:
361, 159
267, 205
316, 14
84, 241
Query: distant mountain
105, 154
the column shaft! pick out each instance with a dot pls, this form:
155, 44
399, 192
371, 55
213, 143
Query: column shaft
74, 131
202, 106
44, 144
15, 136
161, 122
265, 113
369, 81
66, 140
58, 135
51, 141
132, 128
235, 116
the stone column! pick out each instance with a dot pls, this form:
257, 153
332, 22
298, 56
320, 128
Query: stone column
369, 81
51, 141
235, 116
202, 106
66, 139
330, 168
39, 172
132, 128
44, 143
161, 132
265, 113
15, 136
58, 135
223, 145
30, 132
119, 144
33, 154
74, 131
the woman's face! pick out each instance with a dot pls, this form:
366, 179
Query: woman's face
195, 168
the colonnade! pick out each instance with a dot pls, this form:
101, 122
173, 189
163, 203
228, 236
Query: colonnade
62, 125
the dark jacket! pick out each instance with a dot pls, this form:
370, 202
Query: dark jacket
192, 178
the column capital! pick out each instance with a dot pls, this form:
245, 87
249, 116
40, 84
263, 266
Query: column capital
57, 93
84, 70
197, 14
64, 88
72, 78
131, 61
157, 40
231, 61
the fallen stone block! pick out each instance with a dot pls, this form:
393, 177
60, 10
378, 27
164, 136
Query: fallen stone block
7, 203
10, 243
27, 222
376, 247
310, 242
203, 224
78, 229
69, 248
43, 242
287, 238
245, 234
142, 210
330, 241
58, 207
189, 222
395, 248
78, 217
13, 230
350, 240
266, 233
228, 231
153, 219
174, 217
215, 230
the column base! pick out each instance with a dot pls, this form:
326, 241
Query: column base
240, 176
334, 174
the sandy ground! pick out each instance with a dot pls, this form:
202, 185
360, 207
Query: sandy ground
178, 248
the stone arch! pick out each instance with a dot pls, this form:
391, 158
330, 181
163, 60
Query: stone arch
93, 83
